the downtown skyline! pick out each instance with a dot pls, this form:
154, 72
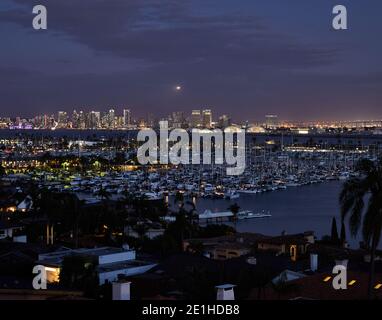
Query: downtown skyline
116, 118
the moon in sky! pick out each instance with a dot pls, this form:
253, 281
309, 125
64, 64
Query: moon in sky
178, 88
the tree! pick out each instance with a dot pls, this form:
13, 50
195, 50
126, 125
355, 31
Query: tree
79, 272
343, 234
334, 235
366, 187
141, 230
2, 171
179, 199
234, 208
196, 246
103, 194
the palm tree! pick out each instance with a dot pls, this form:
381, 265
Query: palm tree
179, 199
192, 212
74, 204
343, 234
103, 194
366, 187
334, 233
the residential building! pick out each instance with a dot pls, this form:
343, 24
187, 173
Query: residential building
111, 262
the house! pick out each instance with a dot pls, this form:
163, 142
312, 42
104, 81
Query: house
111, 262
186, 276
224, 247
293, 245
26, 204
319, 287
286, 276
13, 231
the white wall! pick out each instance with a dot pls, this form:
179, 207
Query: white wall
113, 275
117, 257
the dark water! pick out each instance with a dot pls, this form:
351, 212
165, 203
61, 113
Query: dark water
294, 210
359, 140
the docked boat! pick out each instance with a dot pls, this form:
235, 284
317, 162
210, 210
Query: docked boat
208, 214
231, 195
247, 214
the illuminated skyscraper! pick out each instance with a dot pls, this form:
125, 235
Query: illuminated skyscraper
207, 118
224, 121
94, 120
75, 119
81, 120
177, 119
196, 118
111, 118
62, 119
271, 121
126, 118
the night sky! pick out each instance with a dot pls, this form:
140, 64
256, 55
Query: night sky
246, 58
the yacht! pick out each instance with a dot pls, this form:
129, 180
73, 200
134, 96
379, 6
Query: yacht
247, 214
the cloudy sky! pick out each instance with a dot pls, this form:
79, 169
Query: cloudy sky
245, 58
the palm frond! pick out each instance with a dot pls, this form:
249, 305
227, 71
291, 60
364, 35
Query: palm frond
356, 216
351, 196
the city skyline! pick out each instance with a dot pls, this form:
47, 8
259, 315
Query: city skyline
160, 57
114, 118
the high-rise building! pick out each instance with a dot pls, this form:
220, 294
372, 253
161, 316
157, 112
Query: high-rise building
46, 121
119, 122
111, 120
196, 118
224, 121
207, 118
126, 118
75, 119
150, 121
62, 119
271, 121
142, 123
177, 119
81, 120
94, 120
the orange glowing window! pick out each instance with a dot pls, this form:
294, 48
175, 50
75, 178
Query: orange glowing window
352, 282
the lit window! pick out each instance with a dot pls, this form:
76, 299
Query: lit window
327, 279
378, 286
352, 282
